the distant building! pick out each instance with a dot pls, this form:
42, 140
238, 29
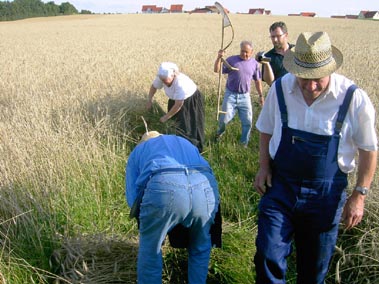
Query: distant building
150, 9
176, 8
304, 14
201, 11
207, 9
259, 11
308, 14
374, 15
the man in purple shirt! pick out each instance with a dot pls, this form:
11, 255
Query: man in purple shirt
237, 93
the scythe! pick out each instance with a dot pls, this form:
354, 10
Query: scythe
225, 23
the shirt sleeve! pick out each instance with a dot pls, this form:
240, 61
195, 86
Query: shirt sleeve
266, 119
157, 83
131, 175
257, 73
363, 122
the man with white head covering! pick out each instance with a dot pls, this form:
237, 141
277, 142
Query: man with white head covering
172, 185
312, 125
185, 105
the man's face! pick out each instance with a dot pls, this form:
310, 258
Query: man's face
278, 38
313, 87
246, 52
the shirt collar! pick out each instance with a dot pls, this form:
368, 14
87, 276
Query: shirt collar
332, 88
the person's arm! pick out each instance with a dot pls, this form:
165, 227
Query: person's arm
217, 64
175, 108
354, 207
152, 92
268, 74
131, 175
263, 177
258, 87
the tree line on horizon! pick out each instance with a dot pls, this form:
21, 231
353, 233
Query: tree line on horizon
22, 9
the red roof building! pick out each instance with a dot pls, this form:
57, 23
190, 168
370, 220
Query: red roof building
176, 8
151, 9
304, 14
369, 15
307, 14
259, 11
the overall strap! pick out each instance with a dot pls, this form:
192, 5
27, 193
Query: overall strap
344, 108
282, 104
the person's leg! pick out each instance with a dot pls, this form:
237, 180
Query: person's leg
164, 204
197, 119
275, 232
245, 112
229, 107
205, 200
316, 238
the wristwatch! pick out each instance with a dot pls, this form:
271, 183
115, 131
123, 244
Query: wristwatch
362, 190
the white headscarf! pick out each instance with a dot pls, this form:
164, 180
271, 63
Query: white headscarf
167, 69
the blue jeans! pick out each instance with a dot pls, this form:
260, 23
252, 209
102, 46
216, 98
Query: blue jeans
189, 198
232, 103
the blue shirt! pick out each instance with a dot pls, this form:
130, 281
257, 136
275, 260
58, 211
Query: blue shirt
164, 151
240, 81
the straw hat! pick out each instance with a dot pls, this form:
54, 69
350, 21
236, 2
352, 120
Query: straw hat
149, 134
167, 69
314, 56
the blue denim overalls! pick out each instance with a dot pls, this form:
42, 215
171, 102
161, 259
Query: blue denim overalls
305, 202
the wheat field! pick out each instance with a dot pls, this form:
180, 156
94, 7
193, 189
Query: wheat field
70, 88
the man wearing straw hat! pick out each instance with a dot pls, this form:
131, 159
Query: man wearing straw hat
174, 185
311, 127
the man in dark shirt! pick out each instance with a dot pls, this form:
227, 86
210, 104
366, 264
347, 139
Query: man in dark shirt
273, 68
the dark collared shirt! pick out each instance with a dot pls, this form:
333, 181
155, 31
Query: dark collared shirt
277, 62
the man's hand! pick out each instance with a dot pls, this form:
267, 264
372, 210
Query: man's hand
262, 179
353, 210
261, 58
163, 119
261, 100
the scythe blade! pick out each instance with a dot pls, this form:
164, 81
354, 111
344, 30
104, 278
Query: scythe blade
225, 23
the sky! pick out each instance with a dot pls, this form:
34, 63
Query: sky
323, 8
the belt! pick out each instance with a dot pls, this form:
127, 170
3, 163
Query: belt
186, 170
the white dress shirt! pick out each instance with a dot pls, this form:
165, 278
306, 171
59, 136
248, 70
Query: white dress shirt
358, 130
182, 87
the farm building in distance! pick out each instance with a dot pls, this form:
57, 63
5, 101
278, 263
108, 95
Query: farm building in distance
374, 15
206, 9
259, 11
178, 8
151, 9
365, 15
304, 14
